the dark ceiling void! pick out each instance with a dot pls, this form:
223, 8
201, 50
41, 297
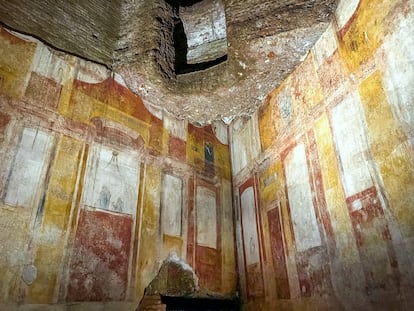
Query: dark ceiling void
181, 41
178, 3
181, 49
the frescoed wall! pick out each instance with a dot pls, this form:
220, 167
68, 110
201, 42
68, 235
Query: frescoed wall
97, 191
306, 205
334, 171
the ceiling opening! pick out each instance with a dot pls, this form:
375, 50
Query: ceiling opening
200, 39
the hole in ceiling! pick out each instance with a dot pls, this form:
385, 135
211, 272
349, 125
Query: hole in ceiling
200, 39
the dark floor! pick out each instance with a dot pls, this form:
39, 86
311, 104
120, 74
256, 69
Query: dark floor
191, 304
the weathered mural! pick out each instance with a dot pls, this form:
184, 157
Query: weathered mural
96, 190
335, 171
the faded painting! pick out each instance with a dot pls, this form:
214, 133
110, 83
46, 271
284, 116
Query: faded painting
112, 180
28, 169
300, 199
206, 210
251, 240
351, 147
172, 202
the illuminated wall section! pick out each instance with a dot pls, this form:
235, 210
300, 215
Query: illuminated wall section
97, 191
334, 217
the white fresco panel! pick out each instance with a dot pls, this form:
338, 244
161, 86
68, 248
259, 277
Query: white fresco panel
206, 217
172, 205
325, 46
300, 200
399, 73
245, 144
251, 239
48, 64
177, 128
238, 151
220, 130
351, 146
27, 173
344, 11
112, 180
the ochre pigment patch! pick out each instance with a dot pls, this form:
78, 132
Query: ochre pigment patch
392, 157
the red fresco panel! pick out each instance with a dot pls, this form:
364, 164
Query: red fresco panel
191, 229
368, 221
321, 210
254, 276
332, 74
4, 121
49, 97
208, 263
254, 273
313, 279
99, 263
208, 267
278, 253
177, 148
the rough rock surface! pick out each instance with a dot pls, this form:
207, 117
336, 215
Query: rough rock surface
266, 41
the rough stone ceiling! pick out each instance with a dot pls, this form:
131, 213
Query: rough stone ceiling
135, 38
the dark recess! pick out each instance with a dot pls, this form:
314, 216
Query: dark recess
199, 304
180, 43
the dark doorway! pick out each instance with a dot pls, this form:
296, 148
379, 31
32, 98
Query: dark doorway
199, 304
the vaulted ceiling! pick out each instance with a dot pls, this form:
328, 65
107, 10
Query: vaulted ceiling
139, 39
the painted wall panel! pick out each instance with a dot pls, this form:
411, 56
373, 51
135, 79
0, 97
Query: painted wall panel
14, 224
172, 203
346, 8
227, 238
56, 221
278, 253
300, 199
326, 45
99, 265
245, 144
351, 146
16, 57
149, 235
28, 171
365, 32
267, 125
399, 74
393, 159
112, 179
250, 236
206, 210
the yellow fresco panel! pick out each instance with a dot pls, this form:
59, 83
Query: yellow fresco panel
68, 78
14, 224
391, 155
267, 126
84, 108
150, 243
229, 281
172, 244
334, 194
194, 150
222, 160
58, 202
270, 185
365, 33
16, 56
